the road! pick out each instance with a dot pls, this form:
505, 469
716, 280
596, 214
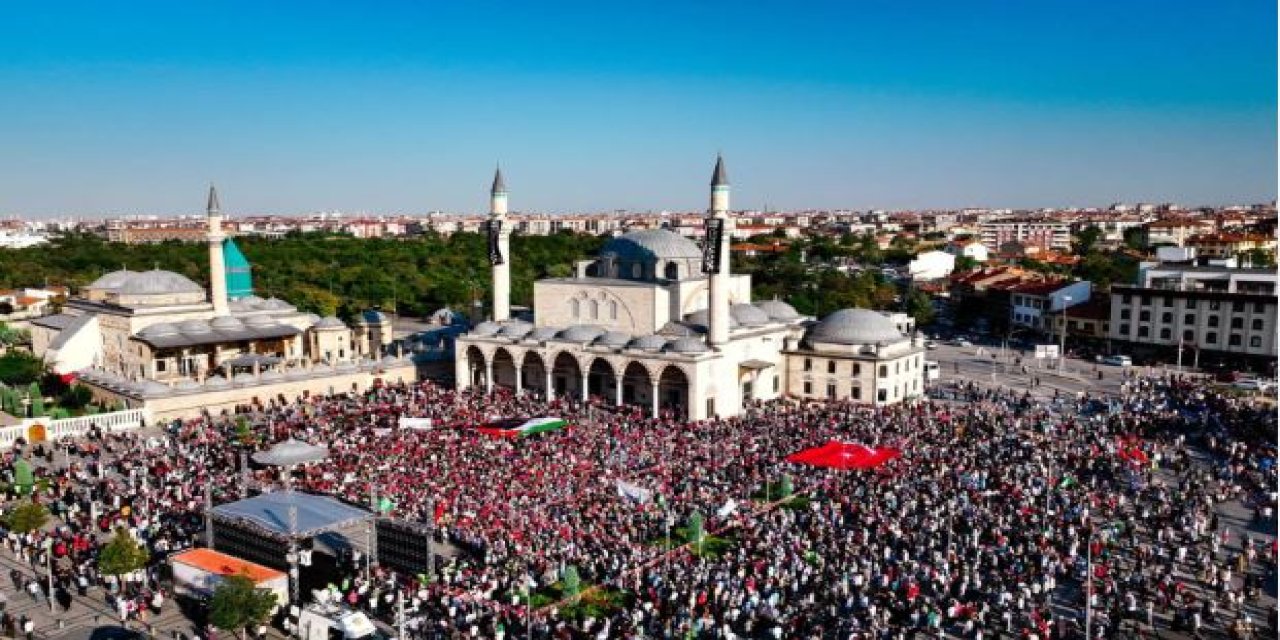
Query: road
976, 364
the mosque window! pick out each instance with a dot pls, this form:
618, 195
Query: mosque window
595, 310
613, 310
808, 388
673, 271
574, 308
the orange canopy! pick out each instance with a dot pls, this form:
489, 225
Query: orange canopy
223, 564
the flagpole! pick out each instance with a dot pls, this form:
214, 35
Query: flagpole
1088, 589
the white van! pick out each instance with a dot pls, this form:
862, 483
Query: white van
931, 370
1118, 361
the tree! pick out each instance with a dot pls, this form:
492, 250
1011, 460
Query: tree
920, 306
1136, 238
37, 399
1086, 240
26, 517
76, 397
696, 530
20, 368
572, 583
1258, 258
122, 554
965, 263
238, 603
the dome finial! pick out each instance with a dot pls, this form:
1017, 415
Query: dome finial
499, 185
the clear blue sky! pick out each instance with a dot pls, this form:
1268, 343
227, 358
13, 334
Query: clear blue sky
406, 106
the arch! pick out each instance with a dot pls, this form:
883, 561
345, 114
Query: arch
602, 380
533, 373
475, 366
673, 392
637, 385
504, 369
566, 376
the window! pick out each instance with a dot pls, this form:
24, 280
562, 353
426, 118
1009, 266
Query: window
1145, 316
1213, 321
595, 310
575, 308
1257, 324
1124, 314
831, 366
1166, 317
1128, 298
613, 310
1124, 329
1146, 301
673, 271
884, 371
776, 383
635, 271
856, 393
1211, 337
880, 395
831, 391
1215, 305
1168, 302
808, 388
1188, 335
1166, 334
1235, 340
1237, 306
1237, 323
1144, 332
1259, 307
1255, 341
159, 365
1190, 318
857, 369
808, 364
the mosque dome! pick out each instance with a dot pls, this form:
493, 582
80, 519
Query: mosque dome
702, 320
778, 310
855, 326
152, 388
651, 244
329, 323
260, 321
544, 333
580, 333
158, 282
686, 345
112, 280
486, 329
226, 323
216, 382
276, 304
648, 343
158, 330
515, 329
749, 315
194, 327
613, 339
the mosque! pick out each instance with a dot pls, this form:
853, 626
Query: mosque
657, 322
156, 340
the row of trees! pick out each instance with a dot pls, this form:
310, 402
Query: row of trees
322, 273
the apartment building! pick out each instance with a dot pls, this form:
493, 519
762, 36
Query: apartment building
1048, 234
1228, 313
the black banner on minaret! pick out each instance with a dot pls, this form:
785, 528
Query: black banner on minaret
494, 228
711, 250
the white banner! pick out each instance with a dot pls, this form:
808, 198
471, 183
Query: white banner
415, 423
633, 493
1046, 351
728, 508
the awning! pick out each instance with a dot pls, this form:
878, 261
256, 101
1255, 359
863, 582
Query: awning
755, 365
291, 452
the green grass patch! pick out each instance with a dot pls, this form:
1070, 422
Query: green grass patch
591, 603
712, 547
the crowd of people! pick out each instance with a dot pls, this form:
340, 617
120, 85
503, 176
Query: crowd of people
987, 525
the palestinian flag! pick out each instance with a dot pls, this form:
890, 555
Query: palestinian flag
521, 427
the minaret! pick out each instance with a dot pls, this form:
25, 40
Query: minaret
718, 303
217, 268
501, 262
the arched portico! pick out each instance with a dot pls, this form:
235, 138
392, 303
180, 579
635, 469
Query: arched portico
534, 373
602, 381
637, 386
566, 377
477, 368
504, 370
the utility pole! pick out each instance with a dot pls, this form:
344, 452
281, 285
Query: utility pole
208, 513
294, 576
48, 568
1062, 339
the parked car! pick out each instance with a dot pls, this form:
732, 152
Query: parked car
1118, 361
1253, 384
930, 344
961, 342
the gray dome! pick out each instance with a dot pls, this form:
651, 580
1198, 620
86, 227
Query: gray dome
331, 322
153, 388
580, 333
276, 304
778, 310
686, 345
486, 328
748, 315
245, 377
312, 318
272, 375
651, 244
159, 329
702, 319
544, 333
112, 280
194, 326
260, 321
226, 323
855, 326
157, 282
613, 339
652, 343
516, 329
678, 330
